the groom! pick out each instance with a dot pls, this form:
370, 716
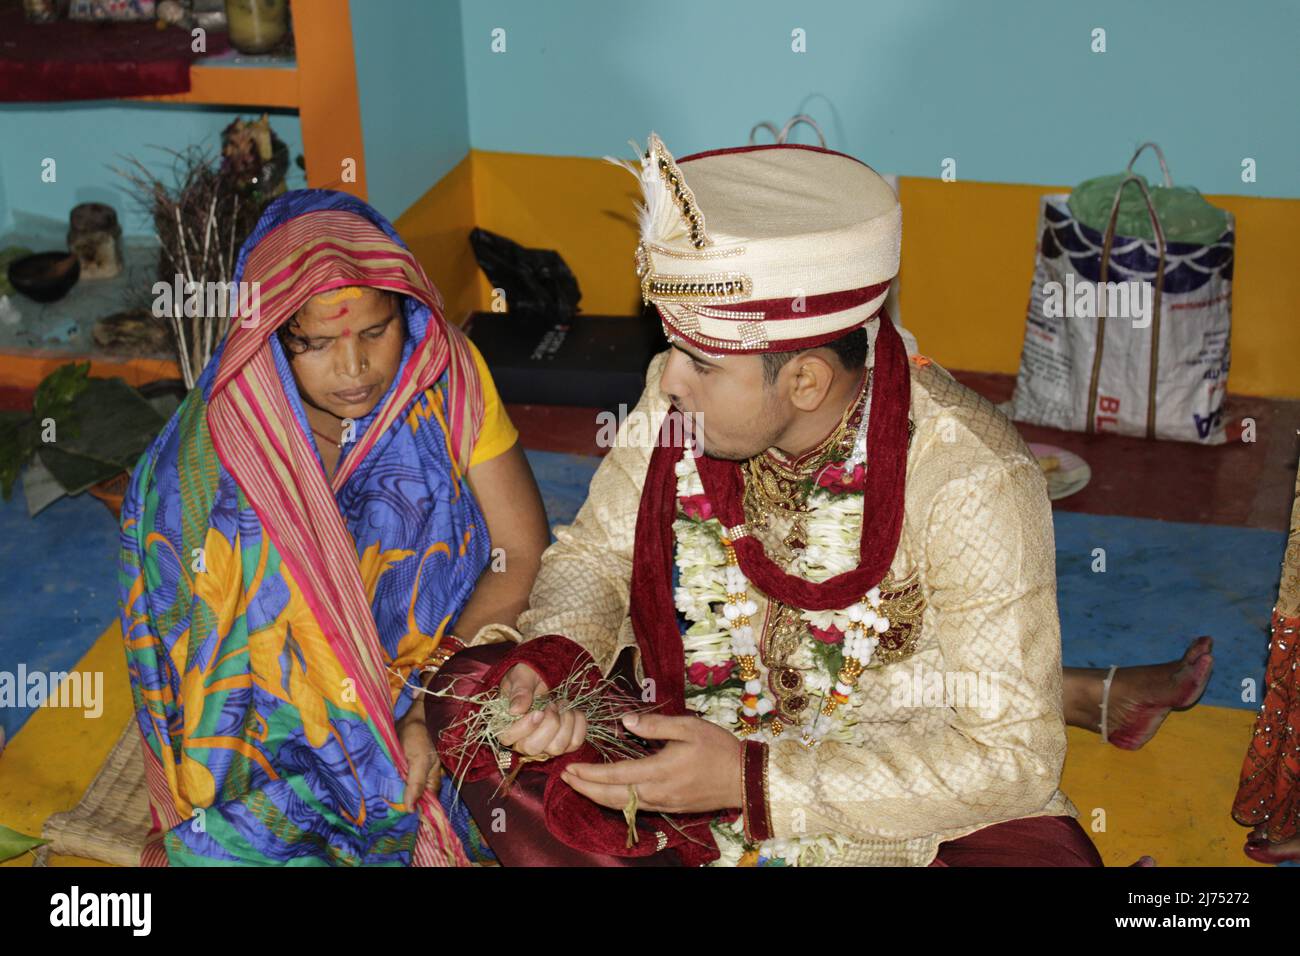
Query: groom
855, 515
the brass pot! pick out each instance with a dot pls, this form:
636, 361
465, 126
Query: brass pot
257, 26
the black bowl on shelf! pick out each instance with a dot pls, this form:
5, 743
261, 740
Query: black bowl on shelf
45, 276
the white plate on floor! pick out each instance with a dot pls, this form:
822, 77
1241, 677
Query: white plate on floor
1071, 476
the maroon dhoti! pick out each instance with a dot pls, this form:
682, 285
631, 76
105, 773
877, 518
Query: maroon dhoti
1031, 841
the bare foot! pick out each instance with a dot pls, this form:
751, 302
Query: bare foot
1144, 861
1260, 850
1142, 697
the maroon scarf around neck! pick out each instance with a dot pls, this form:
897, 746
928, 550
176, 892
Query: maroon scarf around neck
652, 602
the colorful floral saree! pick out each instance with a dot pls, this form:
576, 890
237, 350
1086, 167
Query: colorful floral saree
273, 617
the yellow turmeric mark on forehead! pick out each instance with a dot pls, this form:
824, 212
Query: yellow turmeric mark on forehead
339, 295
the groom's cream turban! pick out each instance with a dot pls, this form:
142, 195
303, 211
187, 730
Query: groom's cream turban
764, 248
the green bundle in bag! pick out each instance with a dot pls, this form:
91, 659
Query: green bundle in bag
1184, 214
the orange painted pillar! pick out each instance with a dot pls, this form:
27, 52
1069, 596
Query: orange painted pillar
328, 103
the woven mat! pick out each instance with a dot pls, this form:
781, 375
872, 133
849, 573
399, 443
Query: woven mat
112, 820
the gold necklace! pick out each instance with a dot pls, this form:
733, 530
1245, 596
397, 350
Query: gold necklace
773, 485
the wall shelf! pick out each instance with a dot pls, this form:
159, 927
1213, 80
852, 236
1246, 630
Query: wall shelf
224, 81
320, 84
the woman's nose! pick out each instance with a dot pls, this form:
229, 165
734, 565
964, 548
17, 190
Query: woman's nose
350, 360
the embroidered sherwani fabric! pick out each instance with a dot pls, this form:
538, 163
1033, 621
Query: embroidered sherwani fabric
977, 534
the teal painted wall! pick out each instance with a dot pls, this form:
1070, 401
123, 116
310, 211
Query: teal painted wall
87, 138
411, 84
1008, 88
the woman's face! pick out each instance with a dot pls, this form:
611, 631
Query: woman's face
345, 348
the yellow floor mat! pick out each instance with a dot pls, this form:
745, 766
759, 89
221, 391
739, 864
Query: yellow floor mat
52, 760
1173, 798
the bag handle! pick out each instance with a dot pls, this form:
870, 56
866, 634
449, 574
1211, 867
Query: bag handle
770, 127
1107, 242
784, 132
1164, 168
795, 121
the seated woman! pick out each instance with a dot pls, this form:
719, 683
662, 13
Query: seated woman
339, 495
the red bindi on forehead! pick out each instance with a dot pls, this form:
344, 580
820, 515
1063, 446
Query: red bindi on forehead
338, 295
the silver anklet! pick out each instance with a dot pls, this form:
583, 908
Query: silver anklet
1105, 700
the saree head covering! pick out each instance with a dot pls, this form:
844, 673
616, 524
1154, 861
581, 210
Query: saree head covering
764, 248
272, 617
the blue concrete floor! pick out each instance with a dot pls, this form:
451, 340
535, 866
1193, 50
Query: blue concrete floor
58, 586
1166, 583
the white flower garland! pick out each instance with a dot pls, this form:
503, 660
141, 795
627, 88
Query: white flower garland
707, 580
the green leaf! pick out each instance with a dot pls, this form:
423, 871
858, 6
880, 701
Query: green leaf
58, 390
117, 422
112, 424
75, 473
829, 656
17, 443
13, 843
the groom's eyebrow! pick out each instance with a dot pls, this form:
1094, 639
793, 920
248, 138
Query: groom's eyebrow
698, 358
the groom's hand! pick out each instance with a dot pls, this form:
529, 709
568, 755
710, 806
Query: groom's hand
697, 770
548, 731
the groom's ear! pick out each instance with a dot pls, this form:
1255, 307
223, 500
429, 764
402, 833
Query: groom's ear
810, 376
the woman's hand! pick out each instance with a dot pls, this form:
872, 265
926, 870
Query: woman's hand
424, 769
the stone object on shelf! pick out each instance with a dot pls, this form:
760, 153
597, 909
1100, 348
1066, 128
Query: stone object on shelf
95, 236
9, 314
135, 332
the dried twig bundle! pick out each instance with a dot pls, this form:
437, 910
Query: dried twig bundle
201, 219
603, 702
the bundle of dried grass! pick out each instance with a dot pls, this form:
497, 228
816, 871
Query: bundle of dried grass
603, 702
201, 218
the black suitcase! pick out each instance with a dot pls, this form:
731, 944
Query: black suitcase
591, 360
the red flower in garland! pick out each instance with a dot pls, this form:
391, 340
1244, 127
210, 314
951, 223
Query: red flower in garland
702, 675
839, 480
697, 506
828, 635
698, 674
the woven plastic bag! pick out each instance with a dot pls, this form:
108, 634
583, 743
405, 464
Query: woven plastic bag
1127, 334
